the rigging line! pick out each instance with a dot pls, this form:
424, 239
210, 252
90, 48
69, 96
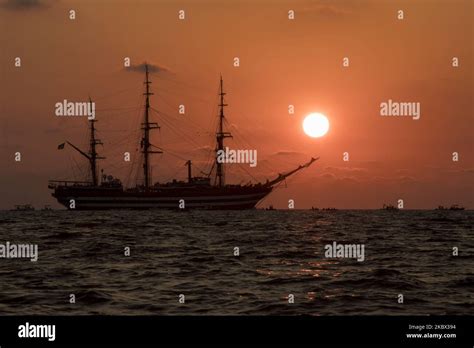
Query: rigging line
168, 124
121, 108
179, 118
173, 111
237, 132
118, 150
215, 105
244, 117
118, 146
262, 164
129, 173
157, 147
181, 156
77, 168
134, 124
211, 153
123, 140
240, 138
113, 94
117, 167
181, 83
210, 171
162, 100
175, 154
173, 108
245, 170
108, 118
176, 142
110, 155
213, 124
117, 134
137, 171
172, 153
174, 96
115, 131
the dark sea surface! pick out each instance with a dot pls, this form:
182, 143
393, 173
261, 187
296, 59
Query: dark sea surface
281, 253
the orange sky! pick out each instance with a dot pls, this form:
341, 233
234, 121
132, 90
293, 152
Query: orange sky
283, 62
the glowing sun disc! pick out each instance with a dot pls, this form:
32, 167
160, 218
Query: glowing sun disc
315, 125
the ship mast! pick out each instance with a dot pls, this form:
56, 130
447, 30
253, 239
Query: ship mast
146, 127
93, 155
190, 177
220, 136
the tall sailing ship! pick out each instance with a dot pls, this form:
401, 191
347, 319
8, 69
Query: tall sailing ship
196, 193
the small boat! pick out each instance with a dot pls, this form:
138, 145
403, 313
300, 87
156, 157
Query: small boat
456, 207
47, 207
389, 207
270, 208
314, 208
23, 207
329, 209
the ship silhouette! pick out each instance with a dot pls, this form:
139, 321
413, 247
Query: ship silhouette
196, 193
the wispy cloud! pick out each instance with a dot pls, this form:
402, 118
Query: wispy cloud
330, 8
153, 68
19, 5
326, 11
287, 153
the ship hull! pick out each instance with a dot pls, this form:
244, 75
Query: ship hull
239, 198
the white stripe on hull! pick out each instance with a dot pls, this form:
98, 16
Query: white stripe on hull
111, 205
162, 205
236, 198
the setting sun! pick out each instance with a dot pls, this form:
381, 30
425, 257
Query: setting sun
315, 125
